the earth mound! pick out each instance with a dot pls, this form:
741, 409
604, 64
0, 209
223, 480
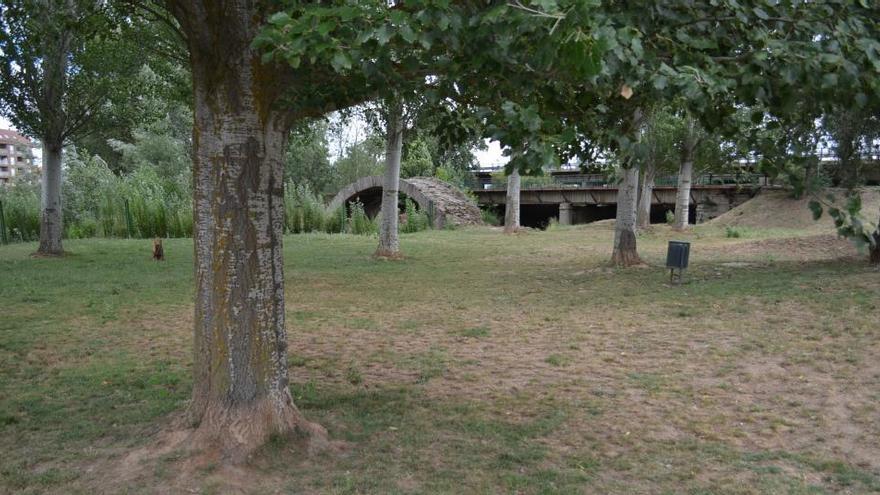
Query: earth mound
778, 209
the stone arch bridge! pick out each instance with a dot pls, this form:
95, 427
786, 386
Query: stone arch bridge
445, 204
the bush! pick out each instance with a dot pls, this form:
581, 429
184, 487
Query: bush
358, 221
21, 209
84, 229
732, 232
143, 204
490, 217
94, 203
303, 210
670, 217
334, 221
416, 220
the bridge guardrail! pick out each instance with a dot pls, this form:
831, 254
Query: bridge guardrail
584, 181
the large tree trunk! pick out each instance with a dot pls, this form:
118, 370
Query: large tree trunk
625, 253
511, 206
51, 227
685, 178
643, 219
240, 390
389, 241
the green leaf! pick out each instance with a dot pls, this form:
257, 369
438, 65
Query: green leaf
279, 18
325, 27
660, 82
408, 34
829, 80
383, 34
341, 62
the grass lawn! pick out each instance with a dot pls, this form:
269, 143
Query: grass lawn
482, 363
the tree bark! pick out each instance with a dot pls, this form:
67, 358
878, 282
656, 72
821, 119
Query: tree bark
51, 227
625, 252
685, 178
874, 252
643, 218
389, 241
56, 53
511, 206
240, 391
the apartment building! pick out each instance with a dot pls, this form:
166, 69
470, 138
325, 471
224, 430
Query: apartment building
16, 155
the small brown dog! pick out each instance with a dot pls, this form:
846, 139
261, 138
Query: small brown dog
158, 252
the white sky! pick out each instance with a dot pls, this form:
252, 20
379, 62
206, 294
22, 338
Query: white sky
489, 158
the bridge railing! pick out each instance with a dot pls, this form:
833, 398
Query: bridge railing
587, 181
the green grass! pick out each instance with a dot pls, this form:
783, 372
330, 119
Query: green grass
481, 363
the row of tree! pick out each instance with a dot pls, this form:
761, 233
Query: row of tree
552, 80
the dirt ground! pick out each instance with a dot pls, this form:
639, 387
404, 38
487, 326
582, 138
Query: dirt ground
485, 363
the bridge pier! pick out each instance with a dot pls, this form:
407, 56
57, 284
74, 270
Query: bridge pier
565, 214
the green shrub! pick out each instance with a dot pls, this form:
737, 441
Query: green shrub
21, 207
670, 217
87, 227
416, 220
358, 221
732, 232
303, 210
490, 217
334, 221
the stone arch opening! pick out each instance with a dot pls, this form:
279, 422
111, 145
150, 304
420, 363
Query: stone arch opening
444, 204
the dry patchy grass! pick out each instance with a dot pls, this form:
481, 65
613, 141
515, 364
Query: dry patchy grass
481, 363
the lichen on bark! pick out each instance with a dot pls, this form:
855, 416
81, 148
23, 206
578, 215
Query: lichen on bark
240, 393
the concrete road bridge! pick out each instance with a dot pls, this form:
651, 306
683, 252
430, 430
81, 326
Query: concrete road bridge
574, 198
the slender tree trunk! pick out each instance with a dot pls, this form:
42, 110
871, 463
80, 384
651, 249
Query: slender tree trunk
51, 227
240, 391
389, 241
685, 178
874, 254
643, 219
56, 54
846, 137
511, 207
625, 252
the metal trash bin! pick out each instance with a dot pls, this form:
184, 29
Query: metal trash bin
677, 257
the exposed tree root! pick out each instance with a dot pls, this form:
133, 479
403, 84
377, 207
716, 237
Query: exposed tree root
219, 449
625, 253
625, 258
386, 254
235, 433
52, 254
